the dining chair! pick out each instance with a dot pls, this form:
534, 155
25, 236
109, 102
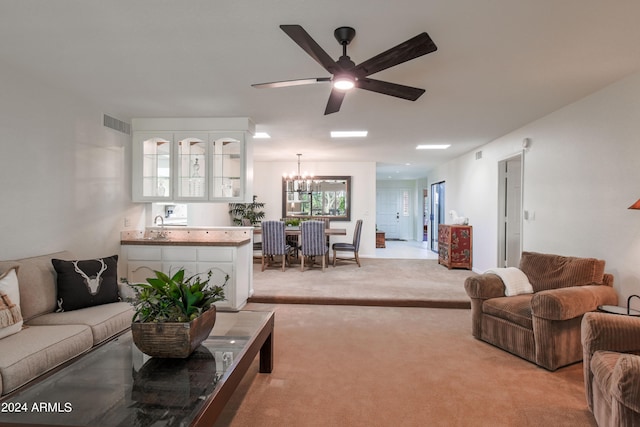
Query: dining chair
349, 247
313, 242
274, 242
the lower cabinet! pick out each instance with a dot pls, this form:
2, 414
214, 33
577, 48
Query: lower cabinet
236, 262
455, 246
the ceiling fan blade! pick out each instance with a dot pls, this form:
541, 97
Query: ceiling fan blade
304, 40
392, 89
286, 83
335, 101
411, 49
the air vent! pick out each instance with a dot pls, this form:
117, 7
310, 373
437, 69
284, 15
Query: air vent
478, 155
116, 124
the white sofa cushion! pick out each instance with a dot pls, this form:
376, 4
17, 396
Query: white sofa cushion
104, 320
37, 280
38, 349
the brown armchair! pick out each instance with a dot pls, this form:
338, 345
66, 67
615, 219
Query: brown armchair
542, 327
611, 364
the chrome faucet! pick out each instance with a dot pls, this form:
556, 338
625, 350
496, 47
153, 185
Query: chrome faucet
162, 234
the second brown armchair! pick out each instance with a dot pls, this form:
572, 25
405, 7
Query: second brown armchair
611, 344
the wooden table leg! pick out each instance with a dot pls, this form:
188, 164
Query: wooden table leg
266, 355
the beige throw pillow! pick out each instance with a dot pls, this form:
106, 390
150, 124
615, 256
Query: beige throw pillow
10, 316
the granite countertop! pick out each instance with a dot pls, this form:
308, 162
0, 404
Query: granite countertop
236, 236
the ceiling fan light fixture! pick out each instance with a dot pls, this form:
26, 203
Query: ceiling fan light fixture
346, 75
344, 82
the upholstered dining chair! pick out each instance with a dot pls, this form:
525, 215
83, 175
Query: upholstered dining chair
313, 242
349, 247
274, 243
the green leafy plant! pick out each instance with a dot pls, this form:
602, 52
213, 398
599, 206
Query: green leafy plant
175, 298
248, 211
293, 222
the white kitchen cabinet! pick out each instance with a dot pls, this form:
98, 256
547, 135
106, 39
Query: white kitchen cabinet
152, 167
142, 261
191, 171
234, 261
189, 160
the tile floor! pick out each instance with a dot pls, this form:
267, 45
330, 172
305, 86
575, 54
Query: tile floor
409, 249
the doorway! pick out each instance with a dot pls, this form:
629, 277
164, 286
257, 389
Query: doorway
393, 212
510, 214
425, 215
437, 212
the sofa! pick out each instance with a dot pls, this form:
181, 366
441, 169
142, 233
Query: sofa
47, 336
611, 345
540, 319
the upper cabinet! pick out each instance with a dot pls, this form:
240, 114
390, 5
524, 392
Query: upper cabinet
227, 159
191, 165
152, 169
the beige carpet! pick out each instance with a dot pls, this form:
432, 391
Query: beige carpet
390, 366
386, 282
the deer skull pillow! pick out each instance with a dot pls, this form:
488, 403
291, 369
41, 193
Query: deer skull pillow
85, 283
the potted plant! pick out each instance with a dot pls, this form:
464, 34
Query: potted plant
247, 211
292, 222
174, 314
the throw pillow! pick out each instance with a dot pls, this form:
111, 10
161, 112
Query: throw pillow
10, 316
85, 283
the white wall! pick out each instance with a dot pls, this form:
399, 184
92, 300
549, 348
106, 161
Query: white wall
268, 187
65, 179
580, 175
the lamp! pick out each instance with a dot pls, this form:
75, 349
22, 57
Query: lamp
636, 205
300, 182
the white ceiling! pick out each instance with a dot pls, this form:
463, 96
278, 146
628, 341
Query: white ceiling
499, 65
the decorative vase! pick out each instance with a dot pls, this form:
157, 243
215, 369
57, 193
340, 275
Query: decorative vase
173, 340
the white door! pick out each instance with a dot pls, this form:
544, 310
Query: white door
510, 212
393, 212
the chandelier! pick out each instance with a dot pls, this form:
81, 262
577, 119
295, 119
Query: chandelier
300, 182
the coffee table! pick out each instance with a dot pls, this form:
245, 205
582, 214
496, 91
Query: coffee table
117, 385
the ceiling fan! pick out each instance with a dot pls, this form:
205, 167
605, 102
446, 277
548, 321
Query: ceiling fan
346, 74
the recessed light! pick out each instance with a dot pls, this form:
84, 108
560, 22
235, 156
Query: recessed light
433, 146
348, 133
261, 135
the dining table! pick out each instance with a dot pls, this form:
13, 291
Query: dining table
295, 231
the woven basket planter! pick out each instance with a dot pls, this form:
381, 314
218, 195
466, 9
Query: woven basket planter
173, 340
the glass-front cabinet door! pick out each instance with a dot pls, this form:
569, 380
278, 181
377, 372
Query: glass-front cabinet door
191, 167
227, 165
152, 171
